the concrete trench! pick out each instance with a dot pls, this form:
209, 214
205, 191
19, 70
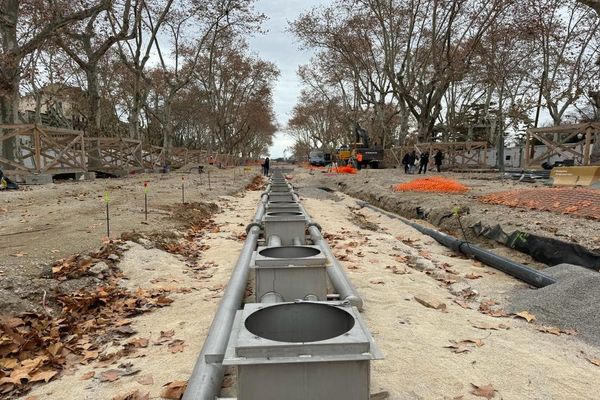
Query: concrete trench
294, 340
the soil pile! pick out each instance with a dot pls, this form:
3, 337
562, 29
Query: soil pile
570, 303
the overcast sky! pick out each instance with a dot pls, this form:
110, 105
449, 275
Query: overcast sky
279, 47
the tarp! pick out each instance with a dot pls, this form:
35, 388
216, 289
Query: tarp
547, 250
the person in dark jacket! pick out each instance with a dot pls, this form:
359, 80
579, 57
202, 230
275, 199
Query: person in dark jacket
265, 166
423, 161
411, 162
405, 162
438, 160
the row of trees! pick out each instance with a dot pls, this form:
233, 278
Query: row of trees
169, 73
423, 70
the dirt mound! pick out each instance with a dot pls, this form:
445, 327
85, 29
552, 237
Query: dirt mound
193, 214
436, 184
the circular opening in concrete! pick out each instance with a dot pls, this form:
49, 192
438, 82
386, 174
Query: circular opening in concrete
284, 214
289, 252
299, 322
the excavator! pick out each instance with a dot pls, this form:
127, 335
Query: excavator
371, 156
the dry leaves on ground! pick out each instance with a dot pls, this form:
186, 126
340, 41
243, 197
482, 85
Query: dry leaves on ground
493, 327
486, 391
464, 346
526, 315
174, 390
35, 347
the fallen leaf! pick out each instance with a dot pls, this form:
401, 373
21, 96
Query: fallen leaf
464, 346
549, 329
110, 376
430, 302
526, 315
176, 346
139, 342
164, 301
377, 282
174, 390
595, 361
167, 334
473, 276
490, 326
145, 380
43, 376
87, 375
90, 355
486, 391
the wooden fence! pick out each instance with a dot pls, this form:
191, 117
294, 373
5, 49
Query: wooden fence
568, 141
38, 149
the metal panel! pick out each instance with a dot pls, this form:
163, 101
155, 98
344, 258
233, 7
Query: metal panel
291, 282
286, 225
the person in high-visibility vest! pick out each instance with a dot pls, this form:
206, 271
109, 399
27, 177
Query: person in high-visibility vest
359, 159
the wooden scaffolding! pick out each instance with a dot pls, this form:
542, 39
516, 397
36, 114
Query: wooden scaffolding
43, 149
569, 141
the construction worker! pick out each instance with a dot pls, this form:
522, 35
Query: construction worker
438, 160
423, 161
359, 159
265, 166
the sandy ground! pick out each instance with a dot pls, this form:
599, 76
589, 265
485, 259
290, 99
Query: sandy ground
519, 362
392, 266
189, 316
49, 222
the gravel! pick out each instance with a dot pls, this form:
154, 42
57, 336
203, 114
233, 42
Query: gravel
570, 303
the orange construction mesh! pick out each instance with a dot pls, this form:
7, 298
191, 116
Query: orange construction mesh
347, 169
433, 184
582, 202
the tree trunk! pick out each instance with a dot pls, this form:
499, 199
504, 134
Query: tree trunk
93, 106
10, 78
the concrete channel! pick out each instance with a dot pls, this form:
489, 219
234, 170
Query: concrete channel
294, 340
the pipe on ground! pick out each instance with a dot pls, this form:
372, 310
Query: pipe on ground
519, 271
336, 273
206, 379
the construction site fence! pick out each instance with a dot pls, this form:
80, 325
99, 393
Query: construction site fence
36, 148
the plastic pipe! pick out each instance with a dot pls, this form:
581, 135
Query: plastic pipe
519, 271
206, 379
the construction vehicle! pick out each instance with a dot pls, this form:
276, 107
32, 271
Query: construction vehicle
371, 156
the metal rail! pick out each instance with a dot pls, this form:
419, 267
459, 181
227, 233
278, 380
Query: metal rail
207, 376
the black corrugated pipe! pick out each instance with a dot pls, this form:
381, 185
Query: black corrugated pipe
520, 271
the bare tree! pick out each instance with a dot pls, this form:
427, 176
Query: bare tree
87, 44
21, 37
